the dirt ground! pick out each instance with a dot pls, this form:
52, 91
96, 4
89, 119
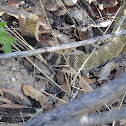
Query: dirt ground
13, 75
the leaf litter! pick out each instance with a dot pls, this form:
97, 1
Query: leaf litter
18, 73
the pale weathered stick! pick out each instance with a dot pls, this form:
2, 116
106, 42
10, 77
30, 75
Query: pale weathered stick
60, 47
90, 120
104, 118
93, 100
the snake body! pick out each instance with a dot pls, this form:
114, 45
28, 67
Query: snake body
100, 56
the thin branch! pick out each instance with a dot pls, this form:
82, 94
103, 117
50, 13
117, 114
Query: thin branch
88, 102
60, 47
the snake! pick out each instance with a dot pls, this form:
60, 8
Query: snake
98, 57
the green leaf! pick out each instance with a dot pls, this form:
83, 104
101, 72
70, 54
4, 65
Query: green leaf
7, 40
7, 48
3, 24
1, 28
3, 33
2, 39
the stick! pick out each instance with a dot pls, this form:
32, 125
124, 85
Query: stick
90, 120
88, 102
60, 47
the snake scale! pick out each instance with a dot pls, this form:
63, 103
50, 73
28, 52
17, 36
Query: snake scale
100, 56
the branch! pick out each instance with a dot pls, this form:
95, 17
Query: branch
88, 102
60, 47
90, 120
104, 118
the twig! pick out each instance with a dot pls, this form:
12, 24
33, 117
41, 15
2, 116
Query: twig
60, 47
88, 102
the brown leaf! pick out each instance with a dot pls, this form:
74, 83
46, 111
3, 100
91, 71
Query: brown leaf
37, 95
14, 96
66, 87
60, 77
12, 106
61, 11
13, 3
85, 85
4, 101
53, 5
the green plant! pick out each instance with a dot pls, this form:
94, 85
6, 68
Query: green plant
5, 40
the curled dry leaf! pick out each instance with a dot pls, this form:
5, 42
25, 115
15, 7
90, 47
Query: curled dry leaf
31, 26
28, 22
107, 11
37, 95
14, 96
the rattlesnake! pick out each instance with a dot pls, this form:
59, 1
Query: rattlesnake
100, 56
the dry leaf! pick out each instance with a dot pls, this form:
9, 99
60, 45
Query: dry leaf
85, 84
37, 95
4, 101
14, 96
103, 3
12, 106
53, 5
60, 12
105, 72
66, 87
60, 77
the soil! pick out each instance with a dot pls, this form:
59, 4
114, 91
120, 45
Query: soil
13, 75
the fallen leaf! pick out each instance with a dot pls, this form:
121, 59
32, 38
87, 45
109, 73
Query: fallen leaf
14, 96
60, 77
84, 83
37, 95
4, 101
66, 87
105, 72
53, 5
12, 106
